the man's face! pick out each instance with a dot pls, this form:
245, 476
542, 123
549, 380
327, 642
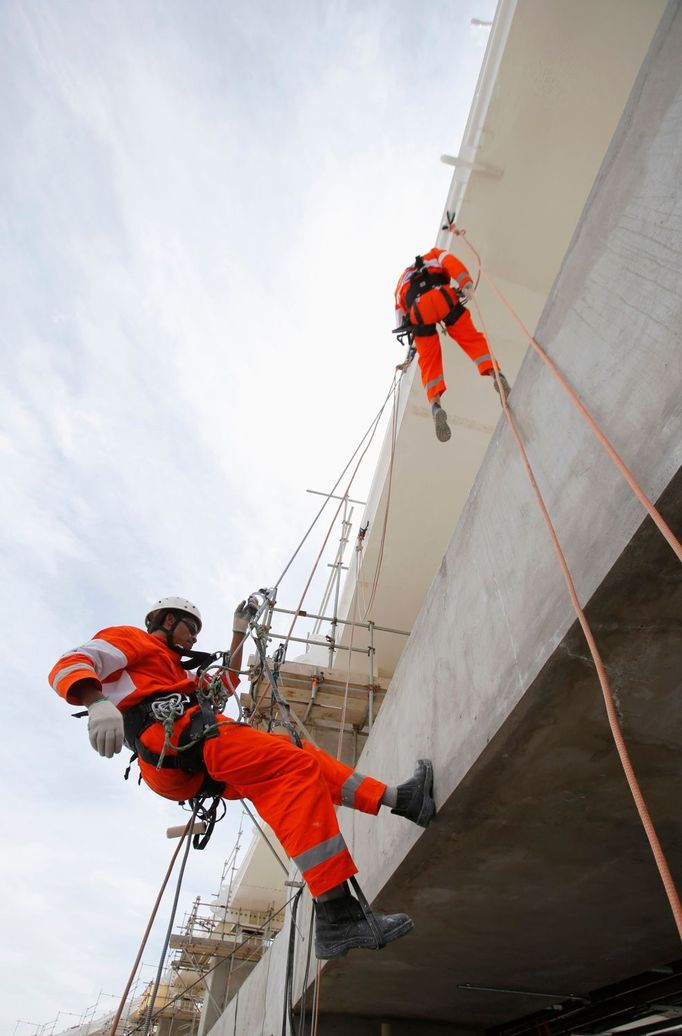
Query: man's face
185, 633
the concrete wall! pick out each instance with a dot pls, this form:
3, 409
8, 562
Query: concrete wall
498, 608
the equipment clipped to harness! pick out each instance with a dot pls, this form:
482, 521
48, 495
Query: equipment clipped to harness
272, 675
422, 280
207, 814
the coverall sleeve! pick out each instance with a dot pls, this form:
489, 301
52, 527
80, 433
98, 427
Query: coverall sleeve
456, 270
400, 311
108, 653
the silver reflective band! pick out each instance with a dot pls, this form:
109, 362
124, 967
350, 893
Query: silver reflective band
349, 787
462, 277
436, 381
320, 853
71, 669
482, 359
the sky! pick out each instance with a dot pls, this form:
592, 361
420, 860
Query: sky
204, 208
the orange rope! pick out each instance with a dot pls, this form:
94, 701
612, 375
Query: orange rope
659, 855
655, 515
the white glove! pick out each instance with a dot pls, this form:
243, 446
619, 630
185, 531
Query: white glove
105, 727
466, 294
244, 612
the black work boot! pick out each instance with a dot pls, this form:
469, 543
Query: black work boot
341, 925
415, 797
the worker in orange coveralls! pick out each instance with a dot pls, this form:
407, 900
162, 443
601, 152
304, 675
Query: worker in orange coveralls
125, 678
435, 290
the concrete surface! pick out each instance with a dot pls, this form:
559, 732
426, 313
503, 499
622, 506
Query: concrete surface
545, 111
536, 875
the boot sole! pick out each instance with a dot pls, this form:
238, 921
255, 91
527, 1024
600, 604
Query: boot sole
341, 949
443, 432
428, 810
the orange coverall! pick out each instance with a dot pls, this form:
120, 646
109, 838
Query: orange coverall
293, 789
433, 306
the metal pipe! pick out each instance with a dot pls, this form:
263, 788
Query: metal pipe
315, 643
343, 622
345, 530
332, 496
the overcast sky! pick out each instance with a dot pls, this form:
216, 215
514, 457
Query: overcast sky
204, 207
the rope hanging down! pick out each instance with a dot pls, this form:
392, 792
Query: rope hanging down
645, 817
653, 512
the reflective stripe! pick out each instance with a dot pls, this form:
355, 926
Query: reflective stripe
118, 689
71, 669
462, 277
405, 277
320, 853
104, 656
430, 384
349, 787
482, 359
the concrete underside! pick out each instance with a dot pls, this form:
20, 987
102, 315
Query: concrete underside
537, 874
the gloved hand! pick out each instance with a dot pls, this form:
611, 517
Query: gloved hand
466, 293
506, 388
105, 727
244, 612
411, 353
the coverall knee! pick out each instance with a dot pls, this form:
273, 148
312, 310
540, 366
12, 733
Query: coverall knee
430, 359
472, 341
293, 790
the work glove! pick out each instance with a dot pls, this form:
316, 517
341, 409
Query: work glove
411, 353
506, 388
466, 293
244, 612
105, 727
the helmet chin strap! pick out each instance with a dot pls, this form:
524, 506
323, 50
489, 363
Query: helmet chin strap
158, 624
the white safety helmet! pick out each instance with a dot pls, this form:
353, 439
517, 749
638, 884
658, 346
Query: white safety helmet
171, 604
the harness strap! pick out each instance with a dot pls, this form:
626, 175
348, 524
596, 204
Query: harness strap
454, 313
422, 281
202, 725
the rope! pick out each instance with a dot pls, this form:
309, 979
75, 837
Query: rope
372, 429
288, 1013
350, 659
659, 855
380, 559
119, 1011
157, 981
371, 432
369, 436
183, 993
653, 512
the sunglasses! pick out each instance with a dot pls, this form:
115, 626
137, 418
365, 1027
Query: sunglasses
192, 625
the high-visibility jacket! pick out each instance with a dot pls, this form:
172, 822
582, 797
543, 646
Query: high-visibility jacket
437, 262
129, 664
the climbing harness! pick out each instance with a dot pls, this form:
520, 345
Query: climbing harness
421, 280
